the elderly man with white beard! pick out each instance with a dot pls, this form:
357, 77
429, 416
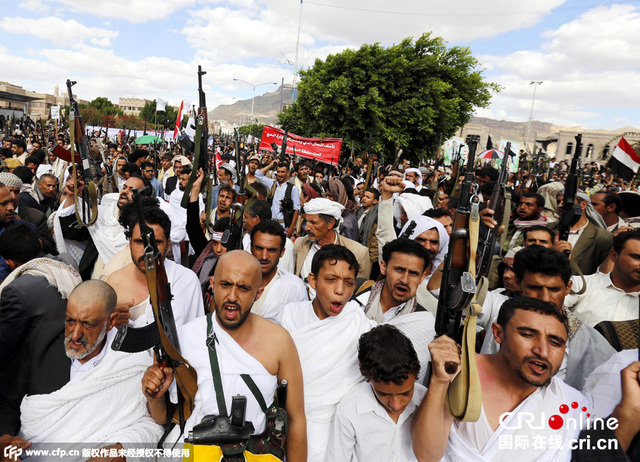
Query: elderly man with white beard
68, 370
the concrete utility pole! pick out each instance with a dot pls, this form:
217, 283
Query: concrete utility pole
254, 92
526, 139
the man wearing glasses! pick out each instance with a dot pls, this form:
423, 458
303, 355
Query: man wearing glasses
148, 173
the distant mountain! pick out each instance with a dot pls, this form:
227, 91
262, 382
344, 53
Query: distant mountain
265, 108
513, 130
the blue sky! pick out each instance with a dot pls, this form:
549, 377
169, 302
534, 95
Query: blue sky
585, 53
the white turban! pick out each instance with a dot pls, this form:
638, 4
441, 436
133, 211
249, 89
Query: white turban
323, 206
417, 172
182, 159
424, 224
412, 204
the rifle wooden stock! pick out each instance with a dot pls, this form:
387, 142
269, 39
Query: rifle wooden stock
167, 348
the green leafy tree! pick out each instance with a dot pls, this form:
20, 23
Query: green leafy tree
166, 118
91, 116
254, 129
105, 106
411, 93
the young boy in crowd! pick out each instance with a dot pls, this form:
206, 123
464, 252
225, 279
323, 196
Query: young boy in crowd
373, 421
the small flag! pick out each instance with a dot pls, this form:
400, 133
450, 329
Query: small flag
178, 120
624, 161
161, 105
218, 159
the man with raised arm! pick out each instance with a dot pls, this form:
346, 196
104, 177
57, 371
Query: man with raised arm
516, 382
243, 343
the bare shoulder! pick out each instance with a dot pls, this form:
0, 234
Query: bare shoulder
121, 276
270, 328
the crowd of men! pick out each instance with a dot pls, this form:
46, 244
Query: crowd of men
330, 286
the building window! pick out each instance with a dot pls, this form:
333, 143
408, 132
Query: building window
589, 150
569, 150
605, 151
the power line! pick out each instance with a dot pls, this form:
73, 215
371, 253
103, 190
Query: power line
474, 14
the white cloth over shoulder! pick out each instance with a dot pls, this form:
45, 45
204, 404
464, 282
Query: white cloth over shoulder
603, 384
528, 421
107, 233
113, 387
287, 288
187, 301
419, 327
328, 351
233, 361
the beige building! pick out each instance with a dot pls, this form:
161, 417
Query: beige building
35, 105
132, 106
597, 145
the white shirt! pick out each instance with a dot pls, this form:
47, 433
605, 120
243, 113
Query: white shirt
283, 289
77, 368
363, 431
186, 303
621, 223
602, 301
575, 235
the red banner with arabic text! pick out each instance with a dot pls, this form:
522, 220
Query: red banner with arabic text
326, 150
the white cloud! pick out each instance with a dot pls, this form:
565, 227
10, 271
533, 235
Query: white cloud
133, 11
588, 66
68, 33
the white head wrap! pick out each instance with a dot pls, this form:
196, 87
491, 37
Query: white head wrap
424, 224
323, 206
417, 172
593, 216
413, 205
232, 171
182, 159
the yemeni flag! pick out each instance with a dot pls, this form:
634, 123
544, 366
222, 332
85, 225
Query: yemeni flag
624, 161
178, 120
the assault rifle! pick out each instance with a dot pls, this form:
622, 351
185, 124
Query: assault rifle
571, 212
496, 203
78, 143
458, 286
161, 335
458, 292
201, 145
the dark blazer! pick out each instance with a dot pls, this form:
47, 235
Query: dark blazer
591, 249
172, 183
39, 219
26, 303
43, 367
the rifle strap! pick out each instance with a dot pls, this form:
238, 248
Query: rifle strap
196, 160
215, 368
217, 376
186, 376
577, 269
506, 214
464, 396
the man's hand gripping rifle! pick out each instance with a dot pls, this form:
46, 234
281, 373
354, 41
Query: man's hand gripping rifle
458, 292
161, 335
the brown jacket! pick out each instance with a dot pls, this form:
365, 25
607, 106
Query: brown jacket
303, 245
